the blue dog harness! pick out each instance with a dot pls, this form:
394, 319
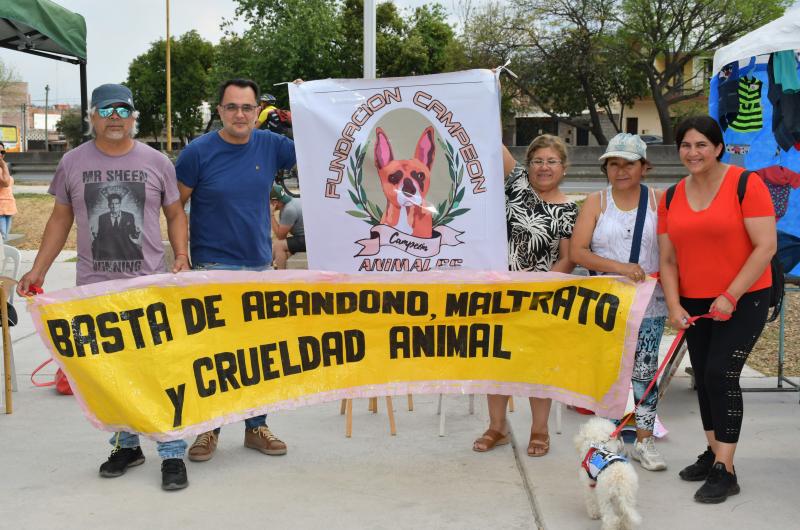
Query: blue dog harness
597, 459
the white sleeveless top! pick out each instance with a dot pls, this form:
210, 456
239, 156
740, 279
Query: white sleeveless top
613, 236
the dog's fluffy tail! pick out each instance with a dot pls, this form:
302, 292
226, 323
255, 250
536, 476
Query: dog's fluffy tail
625, 506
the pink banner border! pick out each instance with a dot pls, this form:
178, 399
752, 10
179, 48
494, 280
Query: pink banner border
611, 405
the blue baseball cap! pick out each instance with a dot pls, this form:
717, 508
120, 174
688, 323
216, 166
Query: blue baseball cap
627, 146
106, 95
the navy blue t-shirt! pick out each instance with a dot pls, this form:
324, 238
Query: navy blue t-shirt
229, 220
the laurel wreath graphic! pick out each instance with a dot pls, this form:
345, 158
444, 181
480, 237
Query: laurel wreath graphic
371, 213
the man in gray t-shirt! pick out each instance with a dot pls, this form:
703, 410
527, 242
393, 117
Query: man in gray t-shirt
115, 188
290, 222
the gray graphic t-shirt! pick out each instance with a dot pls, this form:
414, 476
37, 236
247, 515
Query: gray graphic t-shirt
292, 215
117, 202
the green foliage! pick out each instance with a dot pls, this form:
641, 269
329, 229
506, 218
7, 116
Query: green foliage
316, 39
191, 60
665, 37
7, 76
566, 55
71, 126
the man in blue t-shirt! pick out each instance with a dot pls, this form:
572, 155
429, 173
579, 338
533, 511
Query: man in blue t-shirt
228, 175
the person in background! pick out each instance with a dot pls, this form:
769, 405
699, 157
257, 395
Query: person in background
289, 222
715, 258
602, 242
8, 206
539, 220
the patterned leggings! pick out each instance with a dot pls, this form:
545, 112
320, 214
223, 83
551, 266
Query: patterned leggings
645, 366
718, 351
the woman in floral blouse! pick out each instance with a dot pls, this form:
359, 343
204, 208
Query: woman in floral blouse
539, 221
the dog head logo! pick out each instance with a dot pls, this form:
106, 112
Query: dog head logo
406, 183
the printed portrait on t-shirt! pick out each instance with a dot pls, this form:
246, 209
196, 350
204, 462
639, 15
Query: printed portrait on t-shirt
116, 211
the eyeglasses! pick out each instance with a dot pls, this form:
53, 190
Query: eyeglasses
3, 152
553, 162
233, 108
122, 112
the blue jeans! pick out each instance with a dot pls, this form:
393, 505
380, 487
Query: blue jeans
5, 225
256, 421
173, 449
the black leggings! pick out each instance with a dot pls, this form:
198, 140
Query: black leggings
718, 351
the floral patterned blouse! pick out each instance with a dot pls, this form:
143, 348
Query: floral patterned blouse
534, 227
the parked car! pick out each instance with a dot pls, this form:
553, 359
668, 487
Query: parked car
650, 139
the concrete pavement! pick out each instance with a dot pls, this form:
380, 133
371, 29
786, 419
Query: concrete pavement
417, 479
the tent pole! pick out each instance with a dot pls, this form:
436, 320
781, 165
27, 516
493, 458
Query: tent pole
84, 103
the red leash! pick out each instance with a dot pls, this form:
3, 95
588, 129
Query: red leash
670, 353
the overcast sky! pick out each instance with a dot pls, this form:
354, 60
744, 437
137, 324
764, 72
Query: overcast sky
117, 32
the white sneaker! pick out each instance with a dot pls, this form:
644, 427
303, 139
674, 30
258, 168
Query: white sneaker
647, 455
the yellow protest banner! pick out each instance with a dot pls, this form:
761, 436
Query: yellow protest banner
172, 355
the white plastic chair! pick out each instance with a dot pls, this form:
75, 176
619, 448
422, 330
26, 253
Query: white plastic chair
10, 268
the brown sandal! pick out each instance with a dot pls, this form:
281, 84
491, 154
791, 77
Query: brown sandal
539, 444
490, 439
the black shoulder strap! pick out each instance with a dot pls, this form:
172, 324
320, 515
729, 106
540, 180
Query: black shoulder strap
740, 190
670, 194
641, 212
742, 187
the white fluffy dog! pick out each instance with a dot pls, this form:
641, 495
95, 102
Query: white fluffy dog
612, 498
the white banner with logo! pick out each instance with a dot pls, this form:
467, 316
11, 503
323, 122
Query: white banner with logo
401, 174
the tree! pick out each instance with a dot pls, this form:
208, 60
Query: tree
314, 39
565, 54
192, 57
286, 40
7, 77
71, 126
666, 36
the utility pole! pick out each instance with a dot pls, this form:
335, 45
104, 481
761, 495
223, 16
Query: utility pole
46, 104
369, 39
169, 91
23, 139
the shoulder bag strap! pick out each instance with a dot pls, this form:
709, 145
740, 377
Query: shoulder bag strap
641, 213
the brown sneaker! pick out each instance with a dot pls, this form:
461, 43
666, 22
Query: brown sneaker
203, 447
263, 440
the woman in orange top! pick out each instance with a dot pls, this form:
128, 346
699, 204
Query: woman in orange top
8, 206
715, 254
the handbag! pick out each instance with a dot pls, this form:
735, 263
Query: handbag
60, 381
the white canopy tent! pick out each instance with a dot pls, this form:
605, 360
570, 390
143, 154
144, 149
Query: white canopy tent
780, 34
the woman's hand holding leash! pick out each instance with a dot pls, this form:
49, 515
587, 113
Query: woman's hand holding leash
678, 317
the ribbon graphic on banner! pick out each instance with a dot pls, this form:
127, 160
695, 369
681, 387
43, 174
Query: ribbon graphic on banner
387, 236
172, 355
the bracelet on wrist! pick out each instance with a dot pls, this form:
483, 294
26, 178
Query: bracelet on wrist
730, 298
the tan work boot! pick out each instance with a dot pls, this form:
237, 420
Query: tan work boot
203, 447
263, 440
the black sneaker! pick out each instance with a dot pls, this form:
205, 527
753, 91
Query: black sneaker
120, 460
699, 470
719, 486
173, 474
